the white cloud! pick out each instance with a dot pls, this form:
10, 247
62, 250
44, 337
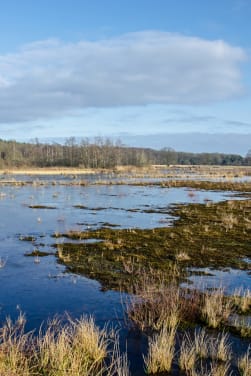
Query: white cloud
52, 78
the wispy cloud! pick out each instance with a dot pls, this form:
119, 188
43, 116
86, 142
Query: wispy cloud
52, 78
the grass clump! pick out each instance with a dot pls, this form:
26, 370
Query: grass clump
201, 343
161, 351
77, 348
220, 369
244, 363
242, 300
13, 348
188, 354
216, 309
220, 348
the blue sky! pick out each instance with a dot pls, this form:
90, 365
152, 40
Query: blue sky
156, 73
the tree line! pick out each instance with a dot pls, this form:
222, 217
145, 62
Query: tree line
103, 153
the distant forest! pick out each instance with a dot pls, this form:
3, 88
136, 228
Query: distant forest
103, 153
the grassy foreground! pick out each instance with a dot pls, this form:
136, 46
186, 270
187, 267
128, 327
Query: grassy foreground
160, 311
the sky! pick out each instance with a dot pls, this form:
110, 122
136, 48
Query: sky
153, 73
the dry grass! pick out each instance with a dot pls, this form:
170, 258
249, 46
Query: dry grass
216, 309
155, 302
244, 363
242, 300
217, 350
221, 348
50, 171
161, 351
163, 306
14, 344
220, 369
229, 221
182, 256
201, 343
119, 364
76, 348
188, 354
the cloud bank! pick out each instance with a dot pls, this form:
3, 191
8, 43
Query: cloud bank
52, 78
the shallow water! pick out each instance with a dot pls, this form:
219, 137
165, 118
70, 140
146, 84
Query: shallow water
121, 205
230, 279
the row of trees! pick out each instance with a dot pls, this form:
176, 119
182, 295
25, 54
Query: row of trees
102, 153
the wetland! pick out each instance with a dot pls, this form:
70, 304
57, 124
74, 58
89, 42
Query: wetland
144, 252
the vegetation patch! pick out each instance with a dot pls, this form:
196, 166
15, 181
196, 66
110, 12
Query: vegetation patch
213, 235
27, 238
38, 253
42, 207
210, 185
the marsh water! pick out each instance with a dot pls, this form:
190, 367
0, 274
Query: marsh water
42, 288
